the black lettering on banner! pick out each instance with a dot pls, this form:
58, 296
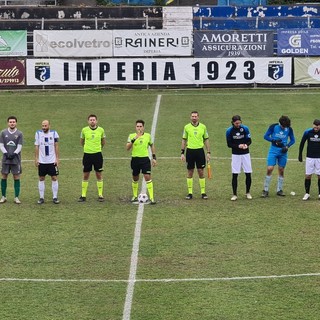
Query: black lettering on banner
84, 71
154, 71
66, 71
250, 74
169, 73
120, 71
196, 67
104, 68
138, 69
213, 70
232, 66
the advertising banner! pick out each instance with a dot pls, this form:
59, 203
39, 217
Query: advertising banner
298, 42
307, 71
159, 71
13, 43
146, 43
12, 73
233, 43
73, 43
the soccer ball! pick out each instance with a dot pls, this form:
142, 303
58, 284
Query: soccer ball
143, 198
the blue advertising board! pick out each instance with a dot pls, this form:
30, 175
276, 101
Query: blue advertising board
298, 42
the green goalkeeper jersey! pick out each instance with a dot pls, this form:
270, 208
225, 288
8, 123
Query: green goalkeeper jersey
140, 146
92, 139
195, 135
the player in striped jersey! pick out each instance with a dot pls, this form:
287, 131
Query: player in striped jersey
47, 159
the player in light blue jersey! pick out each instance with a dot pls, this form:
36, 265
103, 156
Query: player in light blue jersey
282, 138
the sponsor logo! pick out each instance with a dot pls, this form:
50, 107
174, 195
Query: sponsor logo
42, 71
4, 45
295, 41
275, 70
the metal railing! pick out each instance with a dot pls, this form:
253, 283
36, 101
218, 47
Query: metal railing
29, 3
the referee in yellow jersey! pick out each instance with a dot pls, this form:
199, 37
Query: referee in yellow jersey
92, 139
195, 137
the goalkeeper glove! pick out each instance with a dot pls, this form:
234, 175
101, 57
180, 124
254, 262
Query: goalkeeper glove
284, 149
10, 156
277, 143
300, 158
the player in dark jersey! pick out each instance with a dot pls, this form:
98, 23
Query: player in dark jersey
278, 134
11, 140
238, 139
312, 136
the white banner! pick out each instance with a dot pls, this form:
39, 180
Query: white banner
74, 43
307, 70
146, 43
188, 71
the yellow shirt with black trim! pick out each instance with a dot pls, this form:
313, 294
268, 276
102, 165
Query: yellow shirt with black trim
195, 135
92, 139
140, 146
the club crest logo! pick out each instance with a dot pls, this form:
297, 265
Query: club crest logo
275, 70
42, 71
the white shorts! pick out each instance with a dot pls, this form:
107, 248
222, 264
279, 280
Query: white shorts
241, 161
313, 166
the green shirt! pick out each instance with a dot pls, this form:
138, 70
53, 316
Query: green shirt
140, 146
92, 139
195, 135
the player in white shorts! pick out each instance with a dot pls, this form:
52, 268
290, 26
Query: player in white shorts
238, 139
312, 136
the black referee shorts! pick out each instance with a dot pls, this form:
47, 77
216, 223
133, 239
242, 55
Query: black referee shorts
139, 164
94, 160
195, 158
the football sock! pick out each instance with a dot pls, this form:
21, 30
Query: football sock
55, 187
150, 189
190, 185
307, 184
202, 182
3, 187
16, 185
280, 183
100, 188
267, 181
41, 187
84, 188
135, 186
234, 183
248, 182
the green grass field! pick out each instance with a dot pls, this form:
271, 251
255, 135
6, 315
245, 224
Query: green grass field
199, 260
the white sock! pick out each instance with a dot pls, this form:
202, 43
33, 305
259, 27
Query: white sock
55, 187
41, 187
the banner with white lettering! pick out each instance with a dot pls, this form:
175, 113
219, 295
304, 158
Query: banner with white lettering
148, 43
12, 73
72, 43
233, 43
165, 71
13, 43
298, 42
307, 71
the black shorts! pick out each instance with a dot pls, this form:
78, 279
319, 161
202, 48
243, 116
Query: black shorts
49, 169
140, 165
94, 160
195, 157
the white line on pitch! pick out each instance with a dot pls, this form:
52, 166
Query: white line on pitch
137, 232
283, 276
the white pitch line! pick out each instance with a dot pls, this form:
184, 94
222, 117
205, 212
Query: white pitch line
137, 232
283, 276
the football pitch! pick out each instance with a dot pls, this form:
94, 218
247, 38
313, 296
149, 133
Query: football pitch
201, 259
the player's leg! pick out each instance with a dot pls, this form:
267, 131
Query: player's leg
201, 164
310, 169
16, 186
135, 167
146, 170
190, 160
282, 161
98, 168
271, 162
317, 172
235, 169
247, 169
4, 180
87, 167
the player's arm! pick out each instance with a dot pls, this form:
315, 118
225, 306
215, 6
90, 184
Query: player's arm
36, 155
82, 142
2, 148
268, 135
207, 144
130, 142
248, 136
230, 142
301, 146
183, 148
154, 158
103, 142
56, 150
291, 137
